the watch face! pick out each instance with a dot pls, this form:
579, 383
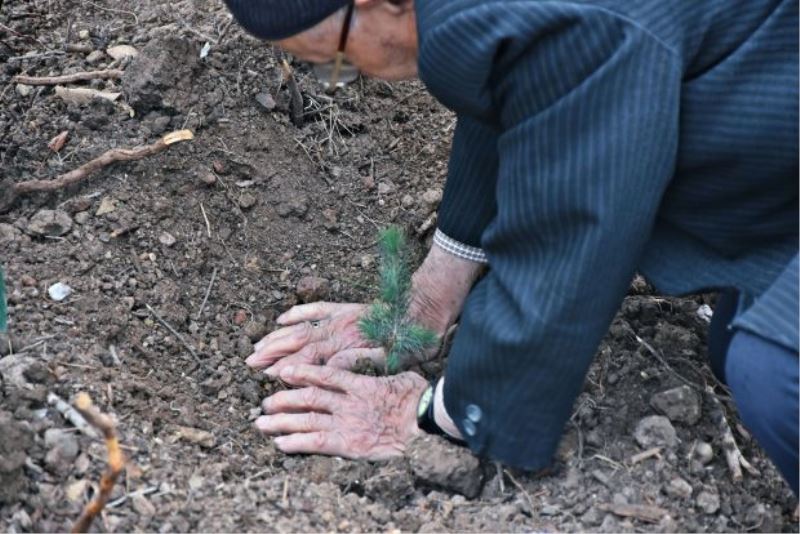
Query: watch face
424, 401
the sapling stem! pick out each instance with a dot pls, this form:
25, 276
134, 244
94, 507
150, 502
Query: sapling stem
386, 322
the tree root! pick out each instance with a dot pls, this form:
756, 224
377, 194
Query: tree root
10, 191
116, 460
733, 456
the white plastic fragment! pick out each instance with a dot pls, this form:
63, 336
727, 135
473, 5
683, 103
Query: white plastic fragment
59, 291
705, 313
205, 50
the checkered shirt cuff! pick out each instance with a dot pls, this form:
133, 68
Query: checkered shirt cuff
459, 249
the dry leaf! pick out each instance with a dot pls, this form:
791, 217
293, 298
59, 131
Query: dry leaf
83, 95
57, 143
121, 51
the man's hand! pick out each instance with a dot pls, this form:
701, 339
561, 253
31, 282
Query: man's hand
322, 333
343, 414
327, 333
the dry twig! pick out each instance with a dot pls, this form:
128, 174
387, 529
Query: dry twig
733, 456
69, 78
296, 97
116, 460
177, 334
9, 191
71, 415
643, 512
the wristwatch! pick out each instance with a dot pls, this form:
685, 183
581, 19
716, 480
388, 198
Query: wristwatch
425, 418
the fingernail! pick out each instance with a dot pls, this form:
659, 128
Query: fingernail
249, 360
281, 318
261, 423
257, 346
287, 372
270, 371
279, 441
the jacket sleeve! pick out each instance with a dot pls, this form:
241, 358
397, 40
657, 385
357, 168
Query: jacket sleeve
468, 204
586, 105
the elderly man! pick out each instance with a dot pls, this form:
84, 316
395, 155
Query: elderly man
594, 138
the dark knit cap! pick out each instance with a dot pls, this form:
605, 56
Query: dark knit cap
277, 19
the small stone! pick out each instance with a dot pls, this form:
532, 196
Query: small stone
435, 461
52, 223
367, 261
679, 488
331, 218
27, 280
247, 201
24, 90
167, 239
8, 233
95, 57
83, 35
708, 502
208, 178
407, 201
143, 506
385, 188
82, 218
432, 197
76, 491
255, 330
194, 435
680, 404
704, 452
59, 291
266, 101
240, 317
312, 288
655, 431
122, 51
107, 205
62, 448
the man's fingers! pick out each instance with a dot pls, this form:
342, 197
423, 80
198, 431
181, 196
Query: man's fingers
321, 376
315, 311
313, 354
330, 443
301, 400
347, 359
294, 339
292, 423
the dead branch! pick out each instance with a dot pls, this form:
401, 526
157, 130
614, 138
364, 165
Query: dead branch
10, 191
733, 456
69, 78
116, 460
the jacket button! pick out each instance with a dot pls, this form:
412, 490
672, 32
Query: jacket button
474, 413
469, 427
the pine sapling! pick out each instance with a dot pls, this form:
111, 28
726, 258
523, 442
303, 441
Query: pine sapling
386, 322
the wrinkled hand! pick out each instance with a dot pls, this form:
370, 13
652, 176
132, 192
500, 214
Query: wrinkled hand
321, 333
343, 414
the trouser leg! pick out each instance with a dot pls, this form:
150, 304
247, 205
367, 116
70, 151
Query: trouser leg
763, 377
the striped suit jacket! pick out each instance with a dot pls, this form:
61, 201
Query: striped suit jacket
595, 138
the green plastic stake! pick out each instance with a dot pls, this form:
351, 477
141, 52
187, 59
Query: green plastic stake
3, 309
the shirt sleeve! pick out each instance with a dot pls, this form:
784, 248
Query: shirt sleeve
586, 106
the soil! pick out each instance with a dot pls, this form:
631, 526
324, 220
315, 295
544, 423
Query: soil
213, 236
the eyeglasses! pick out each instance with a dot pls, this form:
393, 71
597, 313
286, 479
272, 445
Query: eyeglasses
338, 72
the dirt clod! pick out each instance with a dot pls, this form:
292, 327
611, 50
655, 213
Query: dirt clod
50, 223
440, 463
681, 404
655, 431
15, 439
312, 288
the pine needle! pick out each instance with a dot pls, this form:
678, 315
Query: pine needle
386, 323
